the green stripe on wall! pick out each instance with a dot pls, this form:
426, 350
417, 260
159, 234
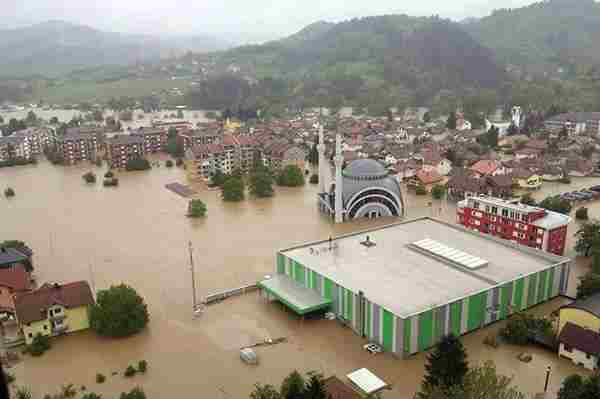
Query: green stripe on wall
328, 285
518, 294
349, 305
455, 311
504, 300
314, 277
369, 332
476, 311
407, 337
425, 329
531, 290
388, 330
299, 273
280, 264
549, 287
541, 293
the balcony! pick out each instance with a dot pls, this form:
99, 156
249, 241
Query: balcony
59, 329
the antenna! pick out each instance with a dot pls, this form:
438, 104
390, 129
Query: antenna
191, 250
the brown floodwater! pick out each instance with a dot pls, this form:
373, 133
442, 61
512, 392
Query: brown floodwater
137, 233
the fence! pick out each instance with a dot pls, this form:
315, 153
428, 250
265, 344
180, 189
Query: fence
219, 296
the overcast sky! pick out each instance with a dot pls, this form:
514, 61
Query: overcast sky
258, 18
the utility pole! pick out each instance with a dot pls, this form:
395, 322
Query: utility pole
193, 275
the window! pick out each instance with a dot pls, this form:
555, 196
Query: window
487, 209
45, 327
587, 356
30, 335
475, 204
512, 215
495, 210
505, 212
567, 348
57, 311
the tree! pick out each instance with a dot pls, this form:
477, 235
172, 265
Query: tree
572, 387
521, 328
196, 208
23, 393
179, 114
261, 183
39, 345
581, 213
556, 204
314, 179
137, 164
438, 191
1, 120
589, 284
446, 364
9, 192
135, 393
126, 116
218, 178
97, 115
527, 199
291, 176
233, 189
420, 190
264, 392
119, 312
31, 118
313, 155
91, 395
451, 121
587, 236
54, 120
315, 387
89, 177
484, 382
563, 134
427, 117
175, 145
293, 386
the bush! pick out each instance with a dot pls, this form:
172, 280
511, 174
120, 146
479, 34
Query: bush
23, 393
556, 204
169, 163
39, 345
118, 312
135, 393
291, 176
420, 190
130, 371
89, 177
142, 366
91, 395
438, 191
521, 328
196, 208
9, 192
261, 183
581, 213
100, 378
10, 378
233, 189
109, 175
527, 199
137, 164
111, 182
314, 179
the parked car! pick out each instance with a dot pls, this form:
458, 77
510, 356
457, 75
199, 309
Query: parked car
248, 356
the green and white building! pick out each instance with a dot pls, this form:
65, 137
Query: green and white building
406, 285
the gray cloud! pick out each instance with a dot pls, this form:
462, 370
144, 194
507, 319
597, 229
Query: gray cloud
258, 19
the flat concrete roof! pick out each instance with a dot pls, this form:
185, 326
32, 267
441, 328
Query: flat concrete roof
406, 281
300, 299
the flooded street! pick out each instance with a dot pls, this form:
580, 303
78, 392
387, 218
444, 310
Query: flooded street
137, 233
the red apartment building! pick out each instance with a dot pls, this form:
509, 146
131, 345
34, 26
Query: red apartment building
155, 139
123, 148
520, 223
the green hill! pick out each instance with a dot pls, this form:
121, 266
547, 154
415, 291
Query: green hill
551, 32
411, 53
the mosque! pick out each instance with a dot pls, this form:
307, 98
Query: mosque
363, 189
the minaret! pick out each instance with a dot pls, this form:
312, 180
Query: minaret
516, 116
338, 160
322, 161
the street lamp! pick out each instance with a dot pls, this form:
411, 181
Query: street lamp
548, 370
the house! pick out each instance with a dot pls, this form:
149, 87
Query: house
405, 169
337, 389
463, 185
15, 148
580, 345
579, 167
79, 144
500, 186
433, 161
552, 173
575, 123
12, 257
13, 281
54, 309
526, 179
525, 153
487, 167
155, 140
427, 179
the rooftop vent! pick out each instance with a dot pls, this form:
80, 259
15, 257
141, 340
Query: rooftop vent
367, 242
451, 255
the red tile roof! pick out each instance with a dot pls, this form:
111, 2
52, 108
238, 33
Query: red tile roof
32, 306
485, 167
15, 278
428, 177
338, 390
